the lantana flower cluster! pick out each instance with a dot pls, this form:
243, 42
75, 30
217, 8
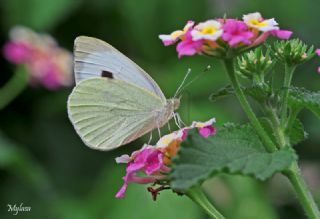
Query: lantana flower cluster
153, 162
47, 64
215, 37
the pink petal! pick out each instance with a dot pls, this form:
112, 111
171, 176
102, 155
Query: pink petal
318, 52
168, 42
282, 34
207, 131
154, 163
263, 37
121, 193
17, 53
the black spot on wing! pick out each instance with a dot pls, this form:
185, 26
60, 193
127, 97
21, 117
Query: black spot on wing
106, 74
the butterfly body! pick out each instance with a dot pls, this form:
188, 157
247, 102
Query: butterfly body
114, 101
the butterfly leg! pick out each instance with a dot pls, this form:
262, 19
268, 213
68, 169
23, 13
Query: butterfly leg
181, 123
176, 118
169, 127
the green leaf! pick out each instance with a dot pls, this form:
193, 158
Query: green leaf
222, 92
300, 98
235, 149
296, 134
259, 93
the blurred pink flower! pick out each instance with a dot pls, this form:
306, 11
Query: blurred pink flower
17, 52
236, 32
46, 63
318, 52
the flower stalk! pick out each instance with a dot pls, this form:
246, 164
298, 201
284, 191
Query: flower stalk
13, 87
270, 146
303, 194
289, 70
197, 195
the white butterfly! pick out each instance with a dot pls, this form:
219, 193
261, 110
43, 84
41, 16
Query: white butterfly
114, 101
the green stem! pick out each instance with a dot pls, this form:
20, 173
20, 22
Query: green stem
272, 115
289, 70
228, 63
13, 87
302, 192
197, 195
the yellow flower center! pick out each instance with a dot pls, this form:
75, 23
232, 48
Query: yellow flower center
258, 23
176, 34
166, 140
200, 125
208, 31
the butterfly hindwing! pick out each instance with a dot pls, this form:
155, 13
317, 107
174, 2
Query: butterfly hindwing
107, 113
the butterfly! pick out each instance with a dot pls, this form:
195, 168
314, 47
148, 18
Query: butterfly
114, 101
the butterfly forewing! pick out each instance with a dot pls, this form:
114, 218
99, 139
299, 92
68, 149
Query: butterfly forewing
96, 58
107, 113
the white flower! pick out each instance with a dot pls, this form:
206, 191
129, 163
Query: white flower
209, 30
255, 20
171, 38
166, 140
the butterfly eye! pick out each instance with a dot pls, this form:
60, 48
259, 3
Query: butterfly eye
106, 74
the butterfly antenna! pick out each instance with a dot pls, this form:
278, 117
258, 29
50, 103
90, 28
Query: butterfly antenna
194, 79
183, 81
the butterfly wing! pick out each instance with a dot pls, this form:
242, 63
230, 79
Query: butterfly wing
107, 113
96, 58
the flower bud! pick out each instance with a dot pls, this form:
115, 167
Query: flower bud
255, 65
293, 52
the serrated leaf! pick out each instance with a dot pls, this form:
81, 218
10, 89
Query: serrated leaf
303, 98
232, 150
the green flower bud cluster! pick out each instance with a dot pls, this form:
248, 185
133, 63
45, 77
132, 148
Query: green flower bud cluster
293, 52
255, 65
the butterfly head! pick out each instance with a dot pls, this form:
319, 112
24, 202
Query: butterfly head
175, 103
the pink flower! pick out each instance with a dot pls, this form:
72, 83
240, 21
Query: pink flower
281, 34
149, 161
318, 52
17, 52
188, 47
169, 39
236, 32
46, 63
205, 128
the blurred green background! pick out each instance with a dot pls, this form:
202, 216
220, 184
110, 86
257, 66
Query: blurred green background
44, 164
